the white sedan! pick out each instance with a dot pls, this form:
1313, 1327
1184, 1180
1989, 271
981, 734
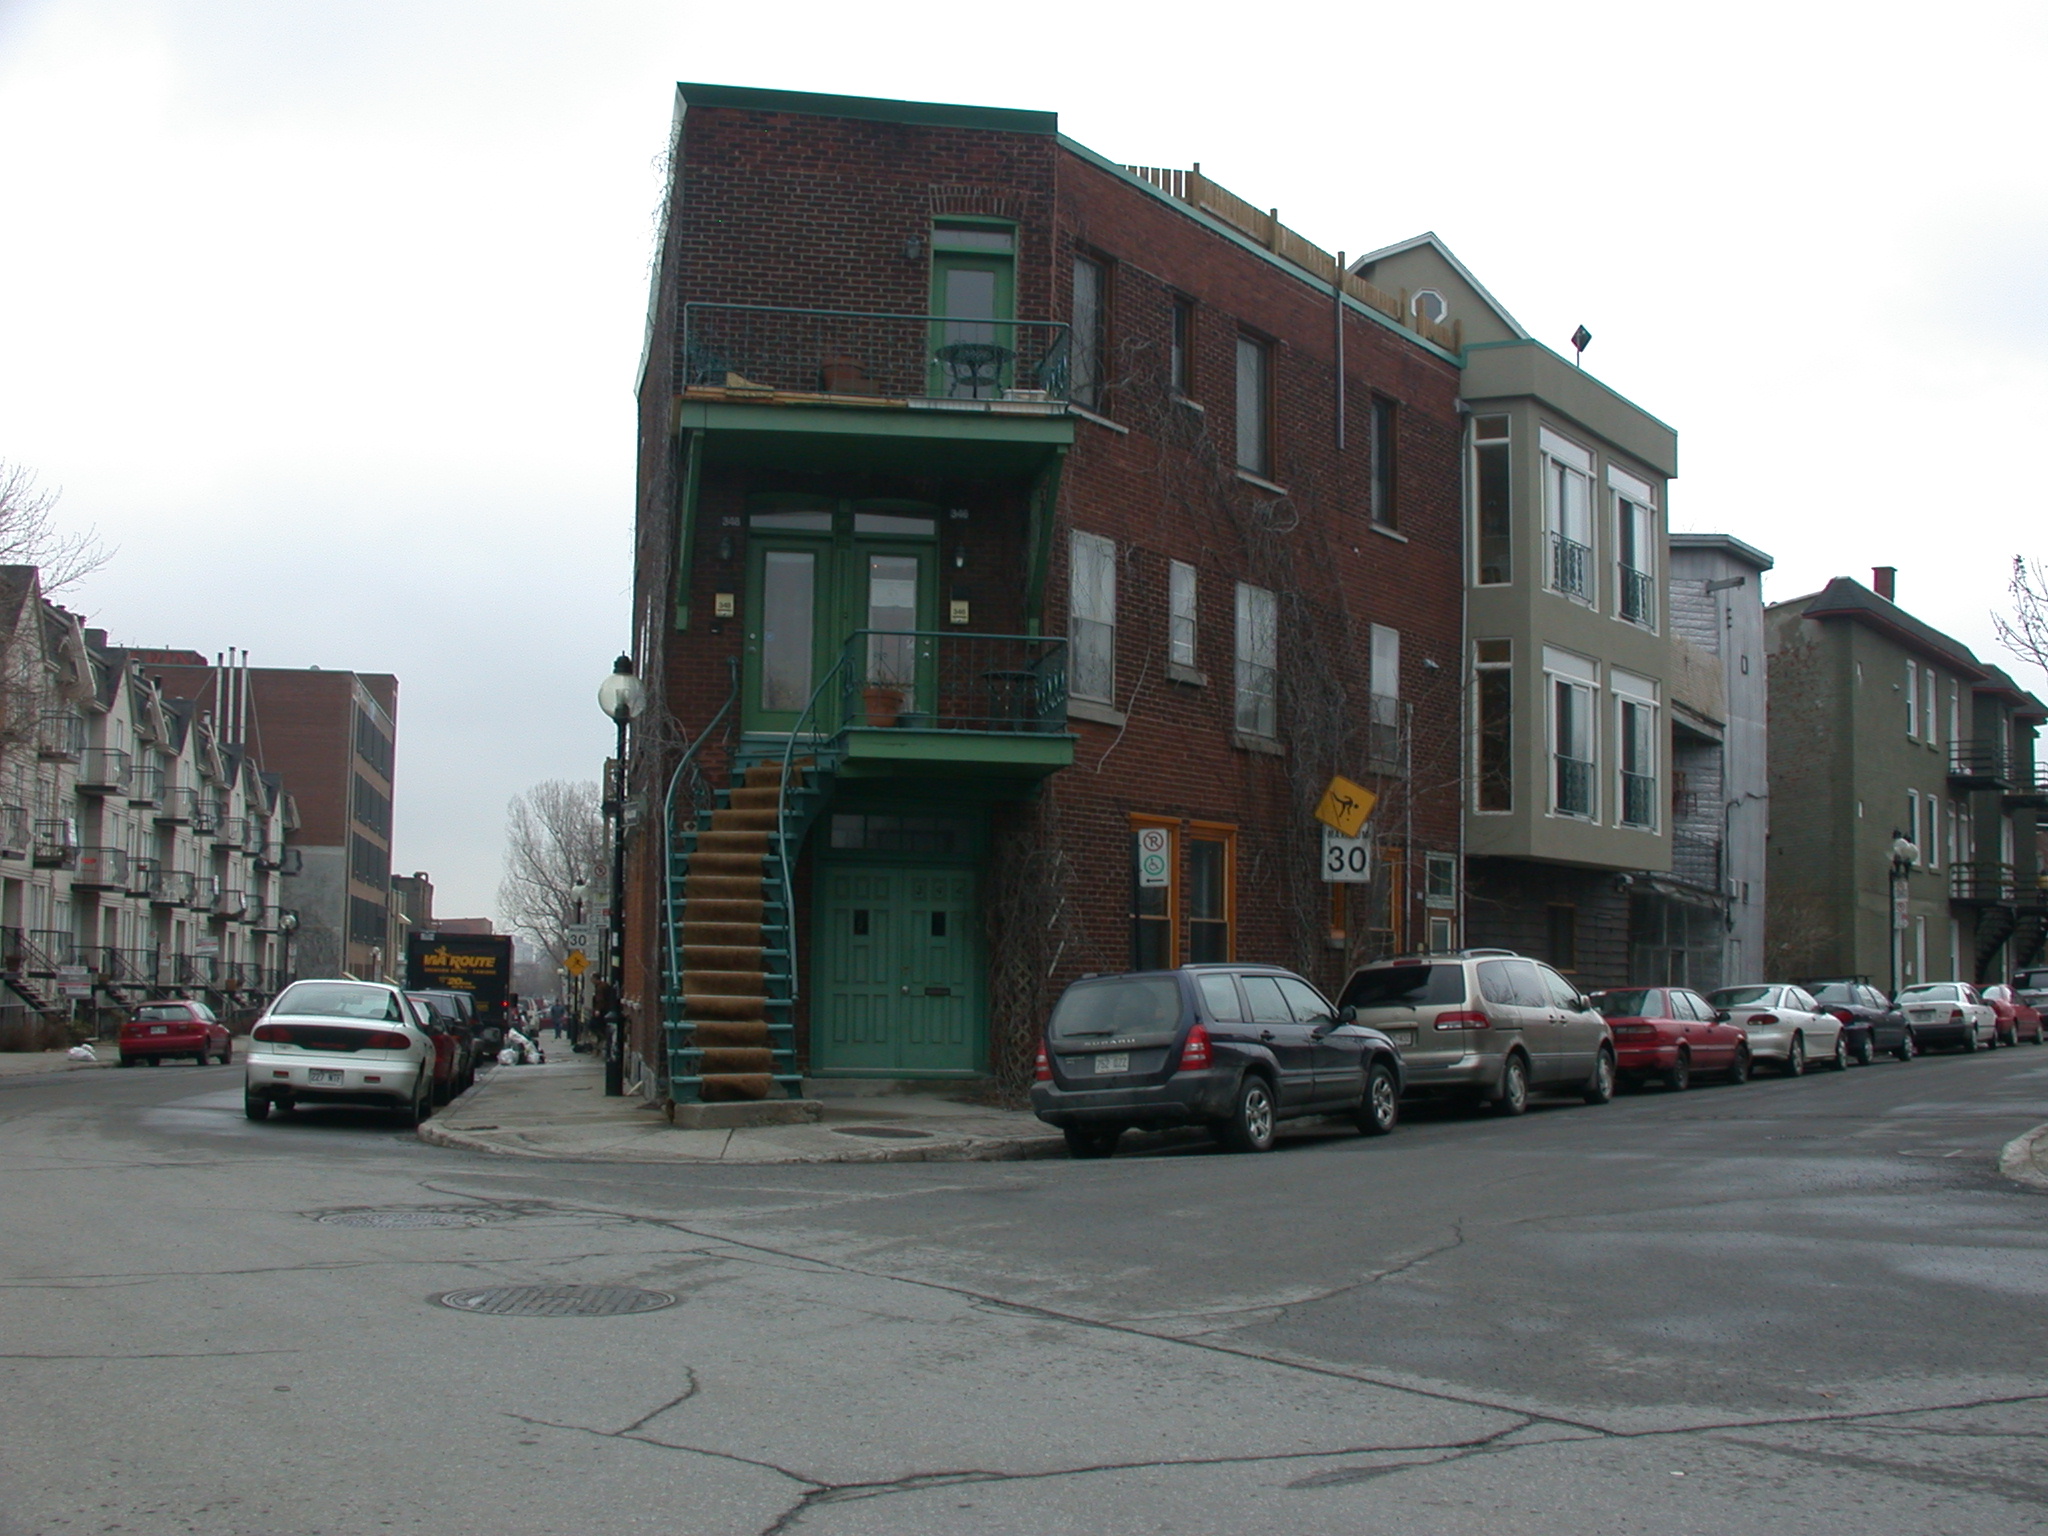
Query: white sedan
1949, 1013
1786, 1027
340, 1042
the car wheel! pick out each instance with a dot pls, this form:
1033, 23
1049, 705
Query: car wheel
1600, 1088
255, 1106
1795, 1058
1091, 1141
1679, 1078
1738, 1072
2011, 1038
1908, 1047
127, 1061
1250, 1126
1841, 1058
1380, 1107
1514, 1086
1970, 1038
1865, 1051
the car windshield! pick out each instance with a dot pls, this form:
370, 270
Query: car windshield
1934, 991
1629, 1003
338, 1000
1135, 1008
1740, 997
2032, 981
164, 1013
1406, 986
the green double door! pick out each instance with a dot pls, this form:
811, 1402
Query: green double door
896, 982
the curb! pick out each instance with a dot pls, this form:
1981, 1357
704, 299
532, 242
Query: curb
2020, 1162
993, 1149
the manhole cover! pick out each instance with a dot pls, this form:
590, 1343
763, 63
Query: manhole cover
557, 1300
401, 1219
883, 1132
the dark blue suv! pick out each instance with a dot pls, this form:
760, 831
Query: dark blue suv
1235, 1047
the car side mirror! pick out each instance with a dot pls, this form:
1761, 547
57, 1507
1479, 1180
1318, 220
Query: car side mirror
1721, 1016
1347, 1014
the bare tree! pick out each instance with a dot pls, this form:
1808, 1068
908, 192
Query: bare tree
2025, 631
554, 837
29, 534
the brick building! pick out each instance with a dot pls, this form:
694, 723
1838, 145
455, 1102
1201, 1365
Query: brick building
1063, 527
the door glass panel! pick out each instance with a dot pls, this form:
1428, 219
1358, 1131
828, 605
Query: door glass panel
892, 606
1308, 1007
973, 351
1268, 1005
788, 578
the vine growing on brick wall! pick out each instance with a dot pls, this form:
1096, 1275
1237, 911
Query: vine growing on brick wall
1031, 927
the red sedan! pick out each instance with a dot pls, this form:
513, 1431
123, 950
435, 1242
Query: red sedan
161, 1030
1669, 1034
2016, 1020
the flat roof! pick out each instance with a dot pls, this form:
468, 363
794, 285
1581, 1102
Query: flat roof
877, 109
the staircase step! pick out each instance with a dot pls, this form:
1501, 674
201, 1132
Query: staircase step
707, 861
756, 797
721, 911
724, 984
724, 1005
723, 957
733, 840
699, 929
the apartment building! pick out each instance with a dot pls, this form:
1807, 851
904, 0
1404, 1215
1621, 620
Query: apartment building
1574, 695
1904, 797
1025, 540
141, 854
332, 736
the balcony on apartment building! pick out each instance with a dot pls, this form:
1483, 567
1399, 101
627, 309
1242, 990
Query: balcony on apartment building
16, 837
207, 815
145, 784
2026, 787
60, 736
56, 843
1977, 765
103, 771
231, 903
128, 968
205, 892
100, 869
233, 833
1981, 884
927, 701
178, 805
142, 873
171, 888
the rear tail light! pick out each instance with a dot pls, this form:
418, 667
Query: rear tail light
1194, 1055
1463, 1018
1042, 1072
1763, 1018
270, 1032
1955, 1015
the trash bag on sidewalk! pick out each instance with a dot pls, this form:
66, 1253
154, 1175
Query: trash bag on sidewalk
82, 1053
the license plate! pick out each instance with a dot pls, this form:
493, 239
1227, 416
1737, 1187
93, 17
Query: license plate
1120, 1063
323, 1074
1402, 1036
159, 1029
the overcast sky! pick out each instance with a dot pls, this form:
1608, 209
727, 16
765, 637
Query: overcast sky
326, 312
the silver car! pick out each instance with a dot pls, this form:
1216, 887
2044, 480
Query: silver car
1949, 1013
1786, 1027
340, 1042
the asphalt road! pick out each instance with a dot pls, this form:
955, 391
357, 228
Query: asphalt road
1806, 1306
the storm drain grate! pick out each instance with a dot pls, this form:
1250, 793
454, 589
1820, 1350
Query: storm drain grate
401, 1219
557, 1300
882, 1132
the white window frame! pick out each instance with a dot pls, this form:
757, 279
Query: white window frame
1383, 700
1912, 700
1582, 676
1182, 593
1257, 696
1636, 695
1635, 514
1091, 588
1955, 714
1930, 721
1565, 465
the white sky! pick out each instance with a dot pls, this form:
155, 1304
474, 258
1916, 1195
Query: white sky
327, 311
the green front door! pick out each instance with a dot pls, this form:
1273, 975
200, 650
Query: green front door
896, 986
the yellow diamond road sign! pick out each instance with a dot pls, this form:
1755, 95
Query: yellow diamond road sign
575, 964
1345, 806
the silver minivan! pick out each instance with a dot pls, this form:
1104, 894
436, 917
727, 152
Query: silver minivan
1488, 1024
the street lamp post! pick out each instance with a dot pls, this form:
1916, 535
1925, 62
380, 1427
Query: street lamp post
1905, 859
621, 696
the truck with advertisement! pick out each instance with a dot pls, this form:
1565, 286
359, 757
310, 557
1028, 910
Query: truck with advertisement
479, 964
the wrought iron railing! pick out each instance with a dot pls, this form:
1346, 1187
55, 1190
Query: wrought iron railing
1980, 883
230, 903
1638, 799
103, 771
142, 875
1980, 762
179, 803
1574, 785
129, 967
101, 868
171, 887
56, 844
15, 836
60, 736
207, 816
771, 347
1571, 567
701, 797
205, 891
1638, 597
54, 945
145, 784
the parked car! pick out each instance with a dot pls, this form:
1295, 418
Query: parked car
1669, 1033
1786, 1027
2016, 1020
1949, 1013
454, 1042
1868, 1017
339, 1042
2031, 987
182, 1028
1235, 1047
1487, 1025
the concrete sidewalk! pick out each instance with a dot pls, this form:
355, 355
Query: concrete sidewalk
559, 1111
27, 1063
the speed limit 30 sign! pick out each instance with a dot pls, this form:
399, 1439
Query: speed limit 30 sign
1346, 860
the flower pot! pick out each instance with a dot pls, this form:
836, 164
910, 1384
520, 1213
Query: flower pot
884, 704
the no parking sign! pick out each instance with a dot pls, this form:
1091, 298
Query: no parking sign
1155, 856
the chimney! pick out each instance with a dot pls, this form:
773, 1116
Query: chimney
1885, 580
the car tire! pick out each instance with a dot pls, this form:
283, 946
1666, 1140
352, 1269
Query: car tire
1091, 1141
1970, 1039
1840, 1060
1738, 1070
1379, 1108
1679, 1078
255, 1106
1865, 1052
1253, 1116
127, 1061
1513, 1098
1795, 1057
1599, 1088
1908, 1047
